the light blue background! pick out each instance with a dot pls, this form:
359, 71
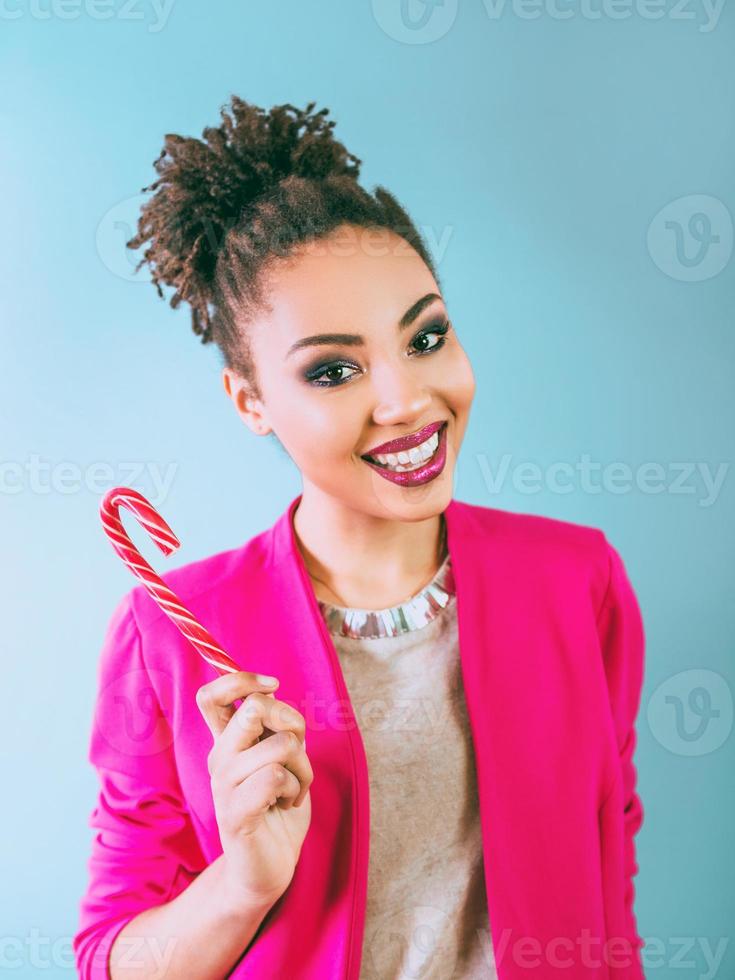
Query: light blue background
545, 148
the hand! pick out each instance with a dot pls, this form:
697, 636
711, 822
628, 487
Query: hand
260, 777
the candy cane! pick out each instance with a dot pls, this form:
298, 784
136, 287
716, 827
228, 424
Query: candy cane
167, 541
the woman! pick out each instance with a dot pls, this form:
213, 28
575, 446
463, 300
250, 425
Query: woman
467, 679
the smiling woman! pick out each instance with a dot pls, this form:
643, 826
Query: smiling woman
500, 809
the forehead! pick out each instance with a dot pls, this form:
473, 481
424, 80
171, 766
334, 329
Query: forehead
357, 279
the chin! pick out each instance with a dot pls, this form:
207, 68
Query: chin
419, 503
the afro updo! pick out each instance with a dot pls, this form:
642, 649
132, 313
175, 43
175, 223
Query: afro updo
250, 191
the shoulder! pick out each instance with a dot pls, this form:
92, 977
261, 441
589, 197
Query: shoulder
199, 583
538, 545
536, 531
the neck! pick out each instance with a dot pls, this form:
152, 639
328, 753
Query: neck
356, 559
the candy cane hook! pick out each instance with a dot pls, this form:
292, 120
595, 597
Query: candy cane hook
168, 601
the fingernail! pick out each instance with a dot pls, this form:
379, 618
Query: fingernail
267, 681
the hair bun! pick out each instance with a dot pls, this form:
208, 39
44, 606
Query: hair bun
204, 186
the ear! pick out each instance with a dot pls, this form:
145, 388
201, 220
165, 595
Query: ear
250, 409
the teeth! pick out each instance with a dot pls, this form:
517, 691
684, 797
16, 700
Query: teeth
412, 459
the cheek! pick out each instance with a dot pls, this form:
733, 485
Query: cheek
298, 422
316, 430
459, 385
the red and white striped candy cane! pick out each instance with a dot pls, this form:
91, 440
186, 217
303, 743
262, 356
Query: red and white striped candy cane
167, 541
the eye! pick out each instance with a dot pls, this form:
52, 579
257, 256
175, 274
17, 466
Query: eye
439, 329
317, 374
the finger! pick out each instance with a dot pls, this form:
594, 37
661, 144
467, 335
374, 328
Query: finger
224, 747
268, 786
256, 715
283, 747
215, 699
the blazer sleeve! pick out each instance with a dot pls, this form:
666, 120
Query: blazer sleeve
622, 640
145, 851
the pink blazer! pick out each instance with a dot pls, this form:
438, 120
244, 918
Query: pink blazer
552, 647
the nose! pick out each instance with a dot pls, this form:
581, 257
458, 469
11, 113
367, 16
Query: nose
400, 396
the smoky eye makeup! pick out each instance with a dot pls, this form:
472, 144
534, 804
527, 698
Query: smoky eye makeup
316, 374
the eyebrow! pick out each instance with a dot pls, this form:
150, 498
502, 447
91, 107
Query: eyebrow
356, 340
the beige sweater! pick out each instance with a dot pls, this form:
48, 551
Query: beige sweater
427, 914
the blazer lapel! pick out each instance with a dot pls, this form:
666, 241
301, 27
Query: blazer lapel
518, 653
331, 875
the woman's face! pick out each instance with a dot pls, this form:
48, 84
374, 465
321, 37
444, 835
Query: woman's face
397, 367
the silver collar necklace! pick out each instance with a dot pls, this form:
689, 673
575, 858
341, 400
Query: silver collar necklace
413, 614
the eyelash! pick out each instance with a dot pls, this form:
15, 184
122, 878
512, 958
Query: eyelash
314, 374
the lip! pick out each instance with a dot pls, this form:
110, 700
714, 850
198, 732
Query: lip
424, 474
406, 442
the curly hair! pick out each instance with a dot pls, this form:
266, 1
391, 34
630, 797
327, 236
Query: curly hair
249, 192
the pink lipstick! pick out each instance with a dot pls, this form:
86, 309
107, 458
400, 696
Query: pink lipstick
405, 443
422, 474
